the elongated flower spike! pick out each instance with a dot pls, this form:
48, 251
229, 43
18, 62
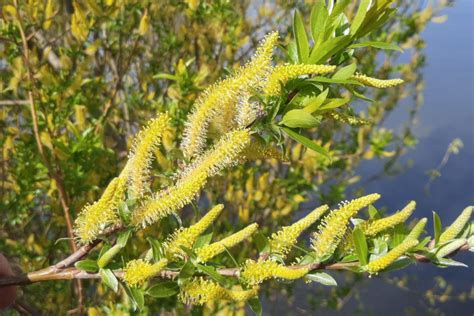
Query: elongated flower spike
334, 226
377, 226
145, 143
94, 218
255, 272
283, 240
450, 247
224, 94
381, 263
199, 291
457, 226
208, 252
417, 229
281, 74
192, 179
138, 271
377, 83
186, 237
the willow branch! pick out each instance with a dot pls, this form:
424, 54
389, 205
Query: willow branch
63, 271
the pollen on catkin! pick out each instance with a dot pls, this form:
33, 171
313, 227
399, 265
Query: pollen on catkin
377, 226
283, 240
457, 226
192, 180
138, 271
281, 74
334, 226
199, 291
185, 237
208, 252
255, 272
417, 229
145, 143
384, 261
377, 83
224, 94
94, 218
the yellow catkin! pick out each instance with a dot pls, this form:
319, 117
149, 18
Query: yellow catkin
457, 226
256, 150
208, 252
94, 218
224, 94
145, 143
417, 230
199, 291
377, 83
186, 237
384, 261
281, 74
347, 119
138, 271
192, 180
48, 14
377, 226
334, 226
79, 24
255, 272
283, 240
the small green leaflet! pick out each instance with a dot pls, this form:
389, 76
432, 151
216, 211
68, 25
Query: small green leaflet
321, 277
437, 226
109, 279
163, 289
360, 244
305, 141
314, 103
345, 72
381, 45
87, 265
299, 118
300, 37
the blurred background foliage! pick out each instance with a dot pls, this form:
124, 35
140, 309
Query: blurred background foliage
100, 69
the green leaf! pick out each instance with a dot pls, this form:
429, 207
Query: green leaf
132, 294
328, 49
292, 52
451, 263
123, 238
138, 297
300, 37
156, 248
210, 271
319, 16
373, 212
361, 247
305, 141
163, 289
203, 240
255, 306
321, 277
187, 271
314, 103
87, 265
437, 227
381, 45
124, 211
109, 279
334, 103
262, 242
299, 118
345, 72
360, 15
398, 264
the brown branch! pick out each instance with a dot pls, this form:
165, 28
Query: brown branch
63, 271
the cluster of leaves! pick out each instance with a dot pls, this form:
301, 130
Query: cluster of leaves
94, 80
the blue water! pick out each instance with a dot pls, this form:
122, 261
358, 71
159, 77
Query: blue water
447, 113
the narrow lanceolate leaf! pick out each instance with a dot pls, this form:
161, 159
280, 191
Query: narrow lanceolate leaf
314, 103
328, 49
334, 103
163, 289
436, 226
299, 119
300, 37
360, 15
305, 142
109, 279
321, 277
319, 16
360, 244
345, 72
381, 45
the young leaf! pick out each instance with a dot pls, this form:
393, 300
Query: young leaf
381, 45
437, 227
138, 297
87, 265
299, 119
314, 103
305, 141
210, 271
360, 244
360, 15
203, 240
187, 271
156, 248
261, 241
255, 306
321, 277
345, 72
300, 37
373, 212
109, 279
334, 103
123, 238
163, 289
319, 16
328, 49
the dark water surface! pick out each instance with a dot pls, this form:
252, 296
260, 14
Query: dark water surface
447, 113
